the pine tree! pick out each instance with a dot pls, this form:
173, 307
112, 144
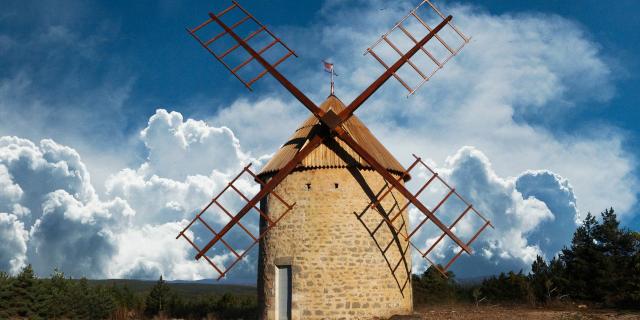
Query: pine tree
509, 287
540, 279
584, 261
158, 299
623, 247
558, 276
41, 296
22, 294
431, 286
5, 294
124, 299
102, 303
601, 263
634, 271
79, 294
57, 301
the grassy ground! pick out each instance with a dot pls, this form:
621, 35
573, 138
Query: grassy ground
518, 312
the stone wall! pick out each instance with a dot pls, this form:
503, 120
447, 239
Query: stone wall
346, 262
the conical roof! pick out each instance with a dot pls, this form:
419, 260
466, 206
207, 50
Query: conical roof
323, 156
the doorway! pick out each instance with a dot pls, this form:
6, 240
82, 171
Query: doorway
283, 292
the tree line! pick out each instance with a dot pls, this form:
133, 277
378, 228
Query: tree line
26, 296
601, 267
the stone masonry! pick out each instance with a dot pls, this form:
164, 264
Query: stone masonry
346, 262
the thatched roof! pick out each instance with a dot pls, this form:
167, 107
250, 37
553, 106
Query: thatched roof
324, 156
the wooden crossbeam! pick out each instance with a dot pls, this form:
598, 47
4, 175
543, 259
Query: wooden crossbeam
328, 128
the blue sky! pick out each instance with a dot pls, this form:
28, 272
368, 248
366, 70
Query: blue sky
609, 26
147, 41
540, 109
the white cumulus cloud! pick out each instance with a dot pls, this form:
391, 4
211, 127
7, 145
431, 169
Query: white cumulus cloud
56, 218
189, 161
13, 243
533, 213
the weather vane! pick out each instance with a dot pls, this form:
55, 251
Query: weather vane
328, 67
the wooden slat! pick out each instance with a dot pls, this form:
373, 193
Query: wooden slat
323, 157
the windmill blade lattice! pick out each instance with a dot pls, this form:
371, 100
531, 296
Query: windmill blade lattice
261, 57
433, 55
448, 205
250, 32
400, 187
226, 253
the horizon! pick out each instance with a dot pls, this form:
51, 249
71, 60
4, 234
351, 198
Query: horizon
116, 127
211, 281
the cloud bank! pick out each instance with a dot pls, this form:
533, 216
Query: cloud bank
52, 217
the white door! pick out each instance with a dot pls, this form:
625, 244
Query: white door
283, 292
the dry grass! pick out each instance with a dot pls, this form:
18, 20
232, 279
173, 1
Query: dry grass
467, 312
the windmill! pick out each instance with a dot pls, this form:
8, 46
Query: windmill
332, 203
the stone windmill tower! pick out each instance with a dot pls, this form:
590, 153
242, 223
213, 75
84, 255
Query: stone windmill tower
334, 233
333, 257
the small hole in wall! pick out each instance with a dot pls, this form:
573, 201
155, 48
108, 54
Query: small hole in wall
308, 186
335, 185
